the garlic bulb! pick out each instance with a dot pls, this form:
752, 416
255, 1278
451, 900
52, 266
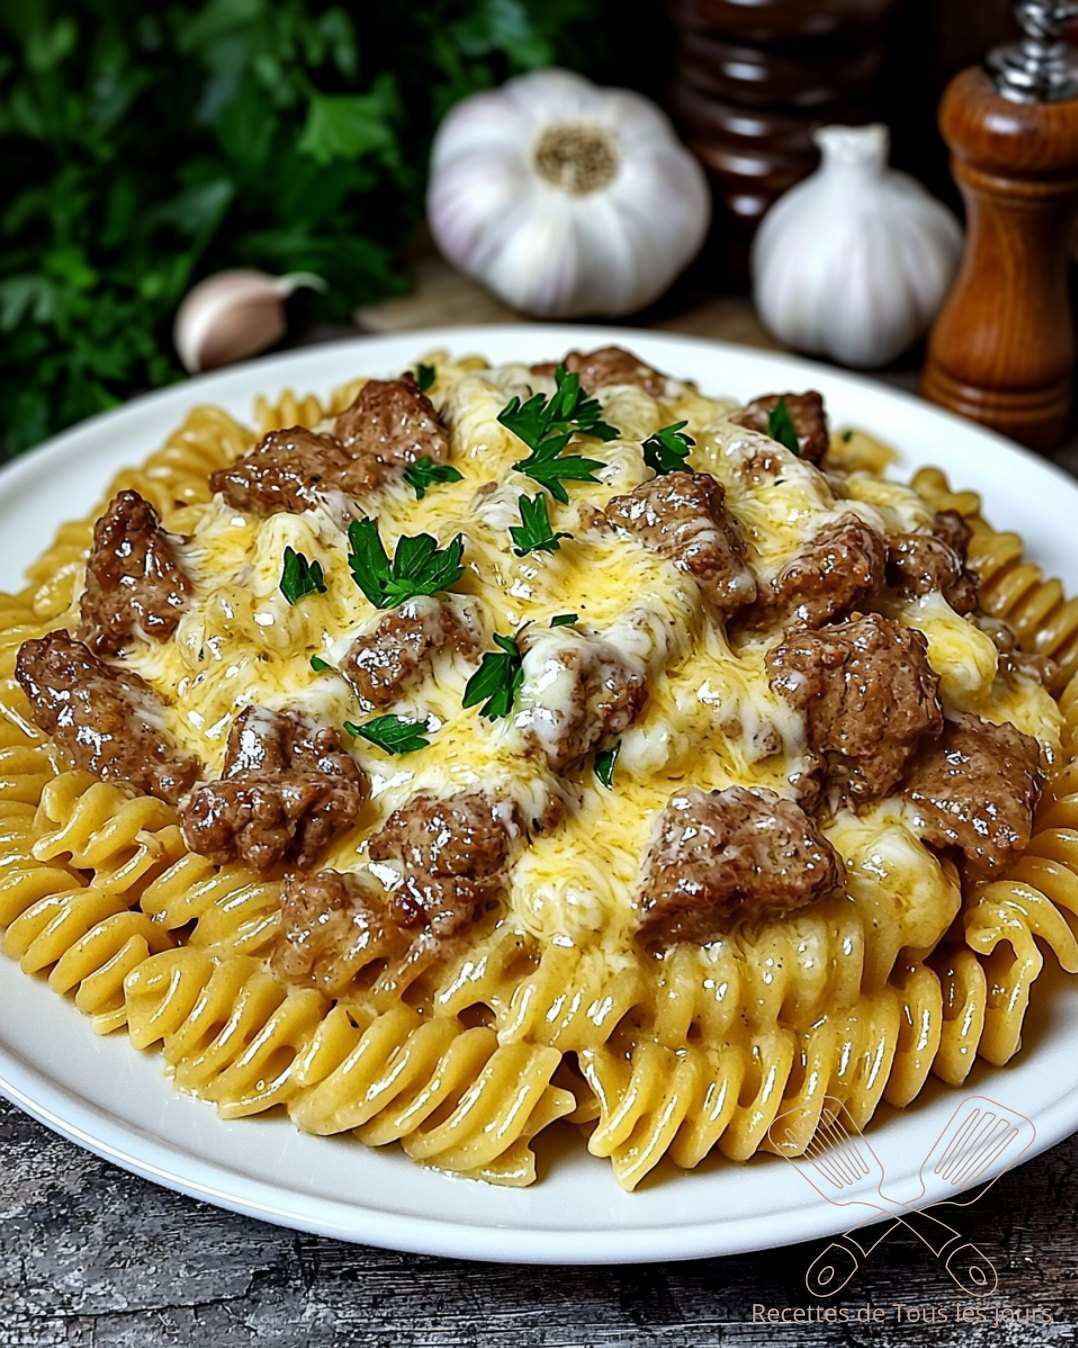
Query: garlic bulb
232, 315
854, 261
564, 198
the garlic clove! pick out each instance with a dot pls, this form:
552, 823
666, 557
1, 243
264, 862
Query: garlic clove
234, 314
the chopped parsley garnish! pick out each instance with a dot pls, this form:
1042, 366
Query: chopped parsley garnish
393, 734
604, 764
547, 425
425, 375
780, 427
564, 619
497, 680
299, 577
667, 450
533, 533
319, 665
418, 567
424, 473
847, 436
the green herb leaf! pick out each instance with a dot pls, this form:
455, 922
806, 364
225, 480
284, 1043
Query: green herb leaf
425, 375
299, 577
418, 567
497, 680
392, 734
533, 533
564, 619
319, 665
667, 450
604, 764
780, 427
547, 425
423, 473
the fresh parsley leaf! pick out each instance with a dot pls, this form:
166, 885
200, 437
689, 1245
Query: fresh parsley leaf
299, 577
604, 764
319, 665
564, 619
547, 425
418, 567
667, 450
423, 473
392, 734
425, 375
533, 533
847, 436
497, 680
780, 426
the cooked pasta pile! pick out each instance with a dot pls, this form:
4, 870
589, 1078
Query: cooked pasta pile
547, 1003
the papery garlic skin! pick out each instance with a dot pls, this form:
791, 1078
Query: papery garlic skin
855, 261
563, 198
232, 315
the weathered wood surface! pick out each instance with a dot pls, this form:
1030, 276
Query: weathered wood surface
95, 1258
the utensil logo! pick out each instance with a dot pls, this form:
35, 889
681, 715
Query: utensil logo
838, 1162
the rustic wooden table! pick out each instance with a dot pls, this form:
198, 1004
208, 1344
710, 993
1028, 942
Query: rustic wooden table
95, 1258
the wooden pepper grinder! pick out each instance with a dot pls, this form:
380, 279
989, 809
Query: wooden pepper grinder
1002, 350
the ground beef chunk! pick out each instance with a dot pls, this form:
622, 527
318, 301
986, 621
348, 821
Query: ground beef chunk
922, 563
949, 526
135, 585
607, 365
834, 572
868, 696
332, 925
578, 692
382, 665
721, 856
291, 470
975, 789
452, 853
1012, 659
682, 516
391, 423
806, 412
108, 719
286, 788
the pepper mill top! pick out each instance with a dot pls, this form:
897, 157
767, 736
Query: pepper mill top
1002, 350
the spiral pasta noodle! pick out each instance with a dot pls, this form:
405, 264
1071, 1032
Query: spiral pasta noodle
465, 1062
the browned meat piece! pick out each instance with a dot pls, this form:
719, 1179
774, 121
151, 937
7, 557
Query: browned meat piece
868, 696
921, 563
108, 719
392, 424
384, 664
838, 569
135, 585
453, 854
721, 856
682, 516
578, 692
976, 789
1012, 659
949, 526
607, 365
331, 926
806, 412
287, 787
291, 470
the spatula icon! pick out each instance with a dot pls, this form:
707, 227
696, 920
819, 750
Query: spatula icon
844, 1168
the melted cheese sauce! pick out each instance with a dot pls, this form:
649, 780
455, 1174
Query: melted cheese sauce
711, 719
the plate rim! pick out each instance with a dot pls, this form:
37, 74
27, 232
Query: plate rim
92, 1127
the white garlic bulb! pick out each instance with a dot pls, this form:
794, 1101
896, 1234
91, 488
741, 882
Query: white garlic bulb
233, 315
854, 262
564, 198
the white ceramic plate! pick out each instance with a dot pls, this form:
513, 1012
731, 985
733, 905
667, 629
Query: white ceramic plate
107, 1097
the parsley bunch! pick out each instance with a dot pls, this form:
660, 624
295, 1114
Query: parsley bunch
497, 681
547, 425
534, 533
146, 146
668, 449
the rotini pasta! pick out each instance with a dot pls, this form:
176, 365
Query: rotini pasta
546, 1004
